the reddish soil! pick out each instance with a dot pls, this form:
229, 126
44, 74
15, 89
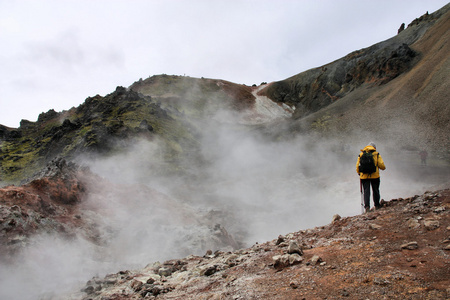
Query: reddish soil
398, 252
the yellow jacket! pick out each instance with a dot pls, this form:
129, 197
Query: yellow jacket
379, 163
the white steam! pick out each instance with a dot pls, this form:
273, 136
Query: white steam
255, 187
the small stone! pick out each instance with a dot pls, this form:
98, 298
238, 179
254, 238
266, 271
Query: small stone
374, 226
315, 260
336, 217
431, 224
285, 260
447, 247
280, 261
136, 285
164, 271
295, 259
440, 209
410, 246
210, 271
89, 290
380, 281
279, 240
413, 223
294, 284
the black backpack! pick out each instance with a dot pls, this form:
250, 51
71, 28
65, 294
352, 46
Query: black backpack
367, 163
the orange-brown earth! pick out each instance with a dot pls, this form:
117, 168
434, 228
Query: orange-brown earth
401, 251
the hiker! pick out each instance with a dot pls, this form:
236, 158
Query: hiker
368, 167
423, 157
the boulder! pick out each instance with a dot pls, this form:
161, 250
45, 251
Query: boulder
294, 248
282, 261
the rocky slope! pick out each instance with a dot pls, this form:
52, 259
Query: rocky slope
401, 251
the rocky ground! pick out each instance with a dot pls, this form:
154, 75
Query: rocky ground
401, 251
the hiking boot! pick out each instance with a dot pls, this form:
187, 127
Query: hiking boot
378, 207
367, 209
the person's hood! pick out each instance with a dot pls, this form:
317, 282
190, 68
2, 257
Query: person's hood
369, 148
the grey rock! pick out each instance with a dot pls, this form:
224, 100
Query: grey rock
374, 226
316, 259
164, 271
413, 223
294, 248
431, 224
410, 246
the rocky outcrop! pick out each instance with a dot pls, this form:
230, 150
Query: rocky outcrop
48, 203
97, 127
376, 65
316, 88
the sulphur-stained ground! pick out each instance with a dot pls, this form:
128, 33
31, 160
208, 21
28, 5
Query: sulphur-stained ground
401, 251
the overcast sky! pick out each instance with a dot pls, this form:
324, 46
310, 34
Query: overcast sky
56, 53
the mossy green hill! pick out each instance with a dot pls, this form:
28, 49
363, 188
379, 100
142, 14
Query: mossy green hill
99, 126
167, 108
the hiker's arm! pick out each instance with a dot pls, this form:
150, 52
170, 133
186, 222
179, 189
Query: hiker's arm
357, 165
381, 165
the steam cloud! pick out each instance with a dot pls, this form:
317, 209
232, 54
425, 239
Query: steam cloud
259, 188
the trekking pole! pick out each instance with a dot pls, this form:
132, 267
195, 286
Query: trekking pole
362, 196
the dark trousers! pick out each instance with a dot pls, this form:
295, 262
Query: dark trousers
375, 183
